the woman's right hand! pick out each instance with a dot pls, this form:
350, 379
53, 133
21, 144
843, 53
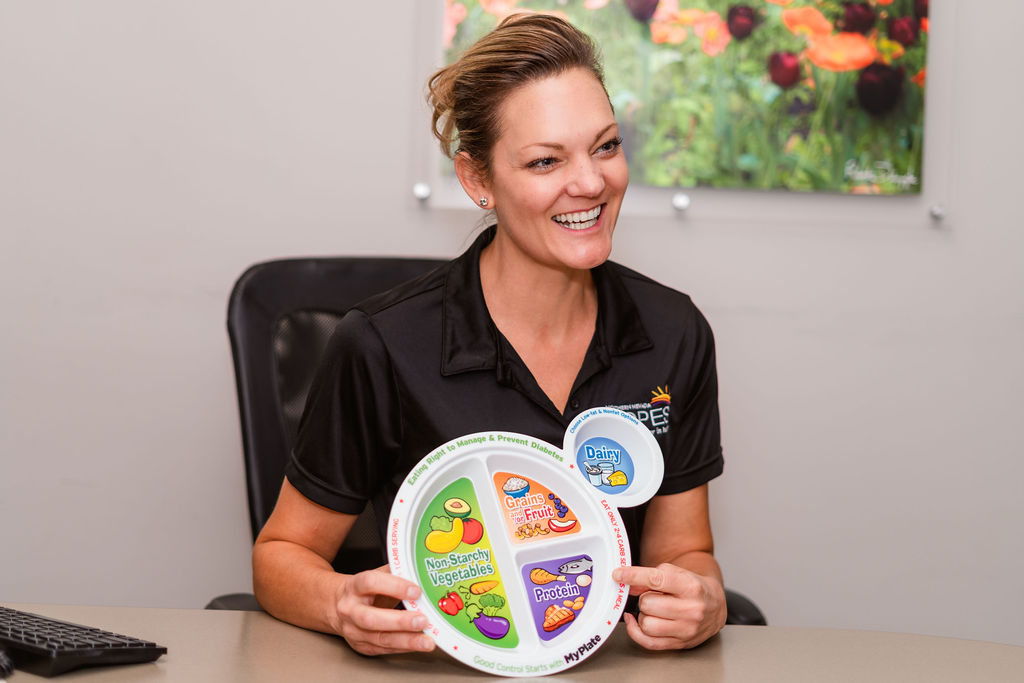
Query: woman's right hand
367, 618
294, 580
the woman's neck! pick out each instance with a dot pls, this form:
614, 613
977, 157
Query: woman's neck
524, 293
547, 314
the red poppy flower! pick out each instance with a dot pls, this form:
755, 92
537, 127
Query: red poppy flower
741, 20
784, 69
858, 17
879, 88
903, 30
642, 10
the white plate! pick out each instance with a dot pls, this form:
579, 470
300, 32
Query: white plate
513, 541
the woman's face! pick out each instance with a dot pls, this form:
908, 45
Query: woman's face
558, 173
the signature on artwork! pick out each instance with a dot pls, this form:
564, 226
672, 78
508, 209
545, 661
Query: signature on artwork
879, 172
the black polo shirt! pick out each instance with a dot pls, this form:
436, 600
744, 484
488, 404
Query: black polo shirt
423, 363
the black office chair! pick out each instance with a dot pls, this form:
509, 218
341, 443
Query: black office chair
280, 316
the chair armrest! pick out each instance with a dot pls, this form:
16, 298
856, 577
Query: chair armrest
742, 611
236, 601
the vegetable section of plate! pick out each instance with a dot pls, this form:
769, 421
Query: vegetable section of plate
513, 540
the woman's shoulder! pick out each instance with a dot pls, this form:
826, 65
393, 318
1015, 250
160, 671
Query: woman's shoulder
652, 297
408, 293
368, 323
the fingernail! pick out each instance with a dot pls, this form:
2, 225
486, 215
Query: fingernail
617, 575
426, 644
412, 592
419, 622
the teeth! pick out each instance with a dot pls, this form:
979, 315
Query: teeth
579, 220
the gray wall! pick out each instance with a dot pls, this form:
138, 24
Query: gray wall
871, 362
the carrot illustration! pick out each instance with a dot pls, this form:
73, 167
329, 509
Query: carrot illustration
482, 587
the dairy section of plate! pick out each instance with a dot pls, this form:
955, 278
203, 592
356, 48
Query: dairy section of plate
457, 568
606, 463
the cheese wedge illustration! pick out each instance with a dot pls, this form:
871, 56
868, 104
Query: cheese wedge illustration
617, 479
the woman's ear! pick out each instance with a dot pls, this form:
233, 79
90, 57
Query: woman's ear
471, 178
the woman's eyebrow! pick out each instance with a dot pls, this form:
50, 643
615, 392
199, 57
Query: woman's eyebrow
559, 146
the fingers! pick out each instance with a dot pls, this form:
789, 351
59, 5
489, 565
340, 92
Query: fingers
374, 630
371, 629
386, 642
646, 640
665, 578
676, 608
382, 582
670, 607
370, 618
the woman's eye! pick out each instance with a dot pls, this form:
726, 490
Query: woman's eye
610, 146
542, 164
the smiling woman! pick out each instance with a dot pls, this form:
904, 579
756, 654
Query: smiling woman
526, 330
539, 146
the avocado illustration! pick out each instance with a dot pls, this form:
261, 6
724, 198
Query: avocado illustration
456, 507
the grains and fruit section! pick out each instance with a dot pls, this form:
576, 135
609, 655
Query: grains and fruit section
457, 568
532, 511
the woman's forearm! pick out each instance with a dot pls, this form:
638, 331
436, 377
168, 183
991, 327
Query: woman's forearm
296, 585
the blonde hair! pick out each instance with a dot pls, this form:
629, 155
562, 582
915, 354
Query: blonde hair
466, 96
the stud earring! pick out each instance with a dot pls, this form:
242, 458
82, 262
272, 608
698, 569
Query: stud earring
483, 201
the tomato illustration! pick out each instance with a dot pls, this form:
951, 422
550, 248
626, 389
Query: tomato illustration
472, 531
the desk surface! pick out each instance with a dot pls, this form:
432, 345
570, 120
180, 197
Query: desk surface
225, 646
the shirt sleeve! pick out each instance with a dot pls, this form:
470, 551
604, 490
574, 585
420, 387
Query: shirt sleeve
694, 454
350, 430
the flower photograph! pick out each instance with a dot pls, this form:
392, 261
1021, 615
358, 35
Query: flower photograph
801, 95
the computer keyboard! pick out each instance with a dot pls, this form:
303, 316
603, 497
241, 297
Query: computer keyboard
48, 647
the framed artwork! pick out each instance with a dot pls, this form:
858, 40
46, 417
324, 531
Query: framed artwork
800, 95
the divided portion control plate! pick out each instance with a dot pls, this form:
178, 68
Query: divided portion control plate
513, 540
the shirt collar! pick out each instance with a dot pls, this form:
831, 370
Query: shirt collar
470, 339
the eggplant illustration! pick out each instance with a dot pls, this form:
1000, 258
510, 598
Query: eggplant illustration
485, 615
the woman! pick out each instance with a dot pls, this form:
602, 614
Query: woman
528, 328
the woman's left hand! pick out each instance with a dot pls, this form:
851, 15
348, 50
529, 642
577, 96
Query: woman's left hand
678, 608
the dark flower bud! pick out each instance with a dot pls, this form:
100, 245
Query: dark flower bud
741, 20
858, 17
920, 8
642, 10
784, 68
879, 87
904, 30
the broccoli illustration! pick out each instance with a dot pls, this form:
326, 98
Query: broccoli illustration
441, 523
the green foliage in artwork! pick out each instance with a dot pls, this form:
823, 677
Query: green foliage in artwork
813, 96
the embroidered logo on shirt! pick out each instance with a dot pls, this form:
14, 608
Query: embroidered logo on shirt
654, 414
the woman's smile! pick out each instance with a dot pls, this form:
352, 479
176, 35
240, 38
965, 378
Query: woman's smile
579, 220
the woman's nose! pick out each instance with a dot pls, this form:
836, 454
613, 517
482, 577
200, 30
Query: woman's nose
587, 179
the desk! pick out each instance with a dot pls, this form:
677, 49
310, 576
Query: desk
252, 647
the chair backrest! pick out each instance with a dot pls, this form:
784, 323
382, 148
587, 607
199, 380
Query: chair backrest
280, 316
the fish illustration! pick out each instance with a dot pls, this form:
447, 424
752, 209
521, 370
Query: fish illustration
577, 566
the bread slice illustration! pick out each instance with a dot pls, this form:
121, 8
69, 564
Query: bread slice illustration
541, 576
556, 617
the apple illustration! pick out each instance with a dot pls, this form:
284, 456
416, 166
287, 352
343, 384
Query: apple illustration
472, 531
561, 525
